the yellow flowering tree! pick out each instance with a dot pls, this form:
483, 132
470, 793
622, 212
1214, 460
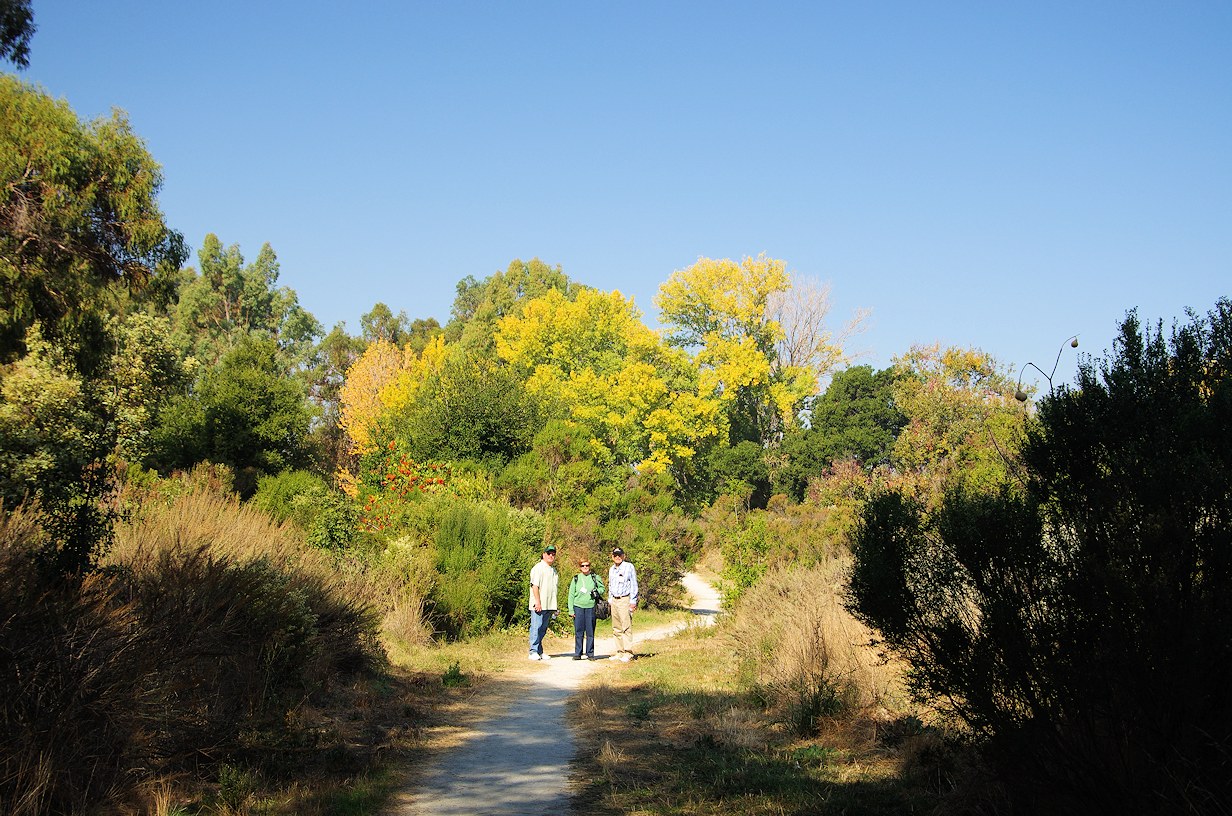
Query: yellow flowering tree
593, 362
382, 381
722, 309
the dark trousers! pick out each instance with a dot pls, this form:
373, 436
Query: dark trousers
584, 630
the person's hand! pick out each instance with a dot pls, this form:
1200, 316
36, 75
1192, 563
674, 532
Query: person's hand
539, 608
632, 607
572, 615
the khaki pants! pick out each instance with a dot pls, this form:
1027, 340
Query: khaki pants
622, 625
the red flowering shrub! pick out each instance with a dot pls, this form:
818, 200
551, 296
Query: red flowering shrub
397, 481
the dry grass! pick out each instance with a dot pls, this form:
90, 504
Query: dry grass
211, 639
693, 729
219, 521
793, 636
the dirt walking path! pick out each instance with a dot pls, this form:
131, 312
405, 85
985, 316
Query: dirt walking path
517, 764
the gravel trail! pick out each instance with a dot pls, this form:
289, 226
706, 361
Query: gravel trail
517, 763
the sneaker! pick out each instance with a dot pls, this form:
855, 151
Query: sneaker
545, 658
588, 657
532, 656
577, 657
626, 657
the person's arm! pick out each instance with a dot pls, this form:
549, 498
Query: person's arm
632, 587
572, 586
536, 602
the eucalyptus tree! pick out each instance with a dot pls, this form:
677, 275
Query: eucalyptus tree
79, 216
16, 29
80, 228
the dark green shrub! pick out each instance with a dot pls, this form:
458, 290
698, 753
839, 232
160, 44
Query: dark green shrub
855, 418
741, 470
1079, 620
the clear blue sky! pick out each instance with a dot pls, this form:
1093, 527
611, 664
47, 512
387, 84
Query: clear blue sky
983, 174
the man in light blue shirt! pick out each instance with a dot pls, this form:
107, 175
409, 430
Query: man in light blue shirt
622, 594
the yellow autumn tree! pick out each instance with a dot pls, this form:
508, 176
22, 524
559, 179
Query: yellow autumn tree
384, 379
595, 363
722, 310
360, 396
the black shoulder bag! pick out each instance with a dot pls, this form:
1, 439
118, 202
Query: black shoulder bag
603, 609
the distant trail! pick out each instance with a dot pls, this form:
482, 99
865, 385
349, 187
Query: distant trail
517, 764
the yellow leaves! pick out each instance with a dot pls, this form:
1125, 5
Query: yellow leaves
415, 369
596, 330
729, 364
385, 378
606, 371
747, 359
723, 297
360, 396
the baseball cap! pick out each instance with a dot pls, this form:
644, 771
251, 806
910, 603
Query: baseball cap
618, 551
550, 548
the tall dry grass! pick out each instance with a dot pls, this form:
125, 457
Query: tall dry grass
804, 652
73, 686
206, 627
246, 621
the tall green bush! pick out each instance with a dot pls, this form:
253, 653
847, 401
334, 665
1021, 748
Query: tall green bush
328, 518
1078, 616
483, 556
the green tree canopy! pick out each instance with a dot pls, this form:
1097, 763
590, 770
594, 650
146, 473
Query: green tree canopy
480, 305
472, 409
228, 300
78, 212
855, 418
16, 29
246, 412
325, 376
382, 324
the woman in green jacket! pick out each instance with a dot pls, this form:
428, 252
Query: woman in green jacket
582, 609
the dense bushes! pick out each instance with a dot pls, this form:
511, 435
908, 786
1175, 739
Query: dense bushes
1079, 618
327, 517
483, 559
754, 541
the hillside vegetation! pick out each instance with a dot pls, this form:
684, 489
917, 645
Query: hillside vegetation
222, 526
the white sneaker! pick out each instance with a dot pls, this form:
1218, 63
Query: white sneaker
545, 658
627, 656
532, 656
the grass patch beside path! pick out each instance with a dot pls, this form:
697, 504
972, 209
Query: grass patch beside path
382, 727
674, 733
392, 722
